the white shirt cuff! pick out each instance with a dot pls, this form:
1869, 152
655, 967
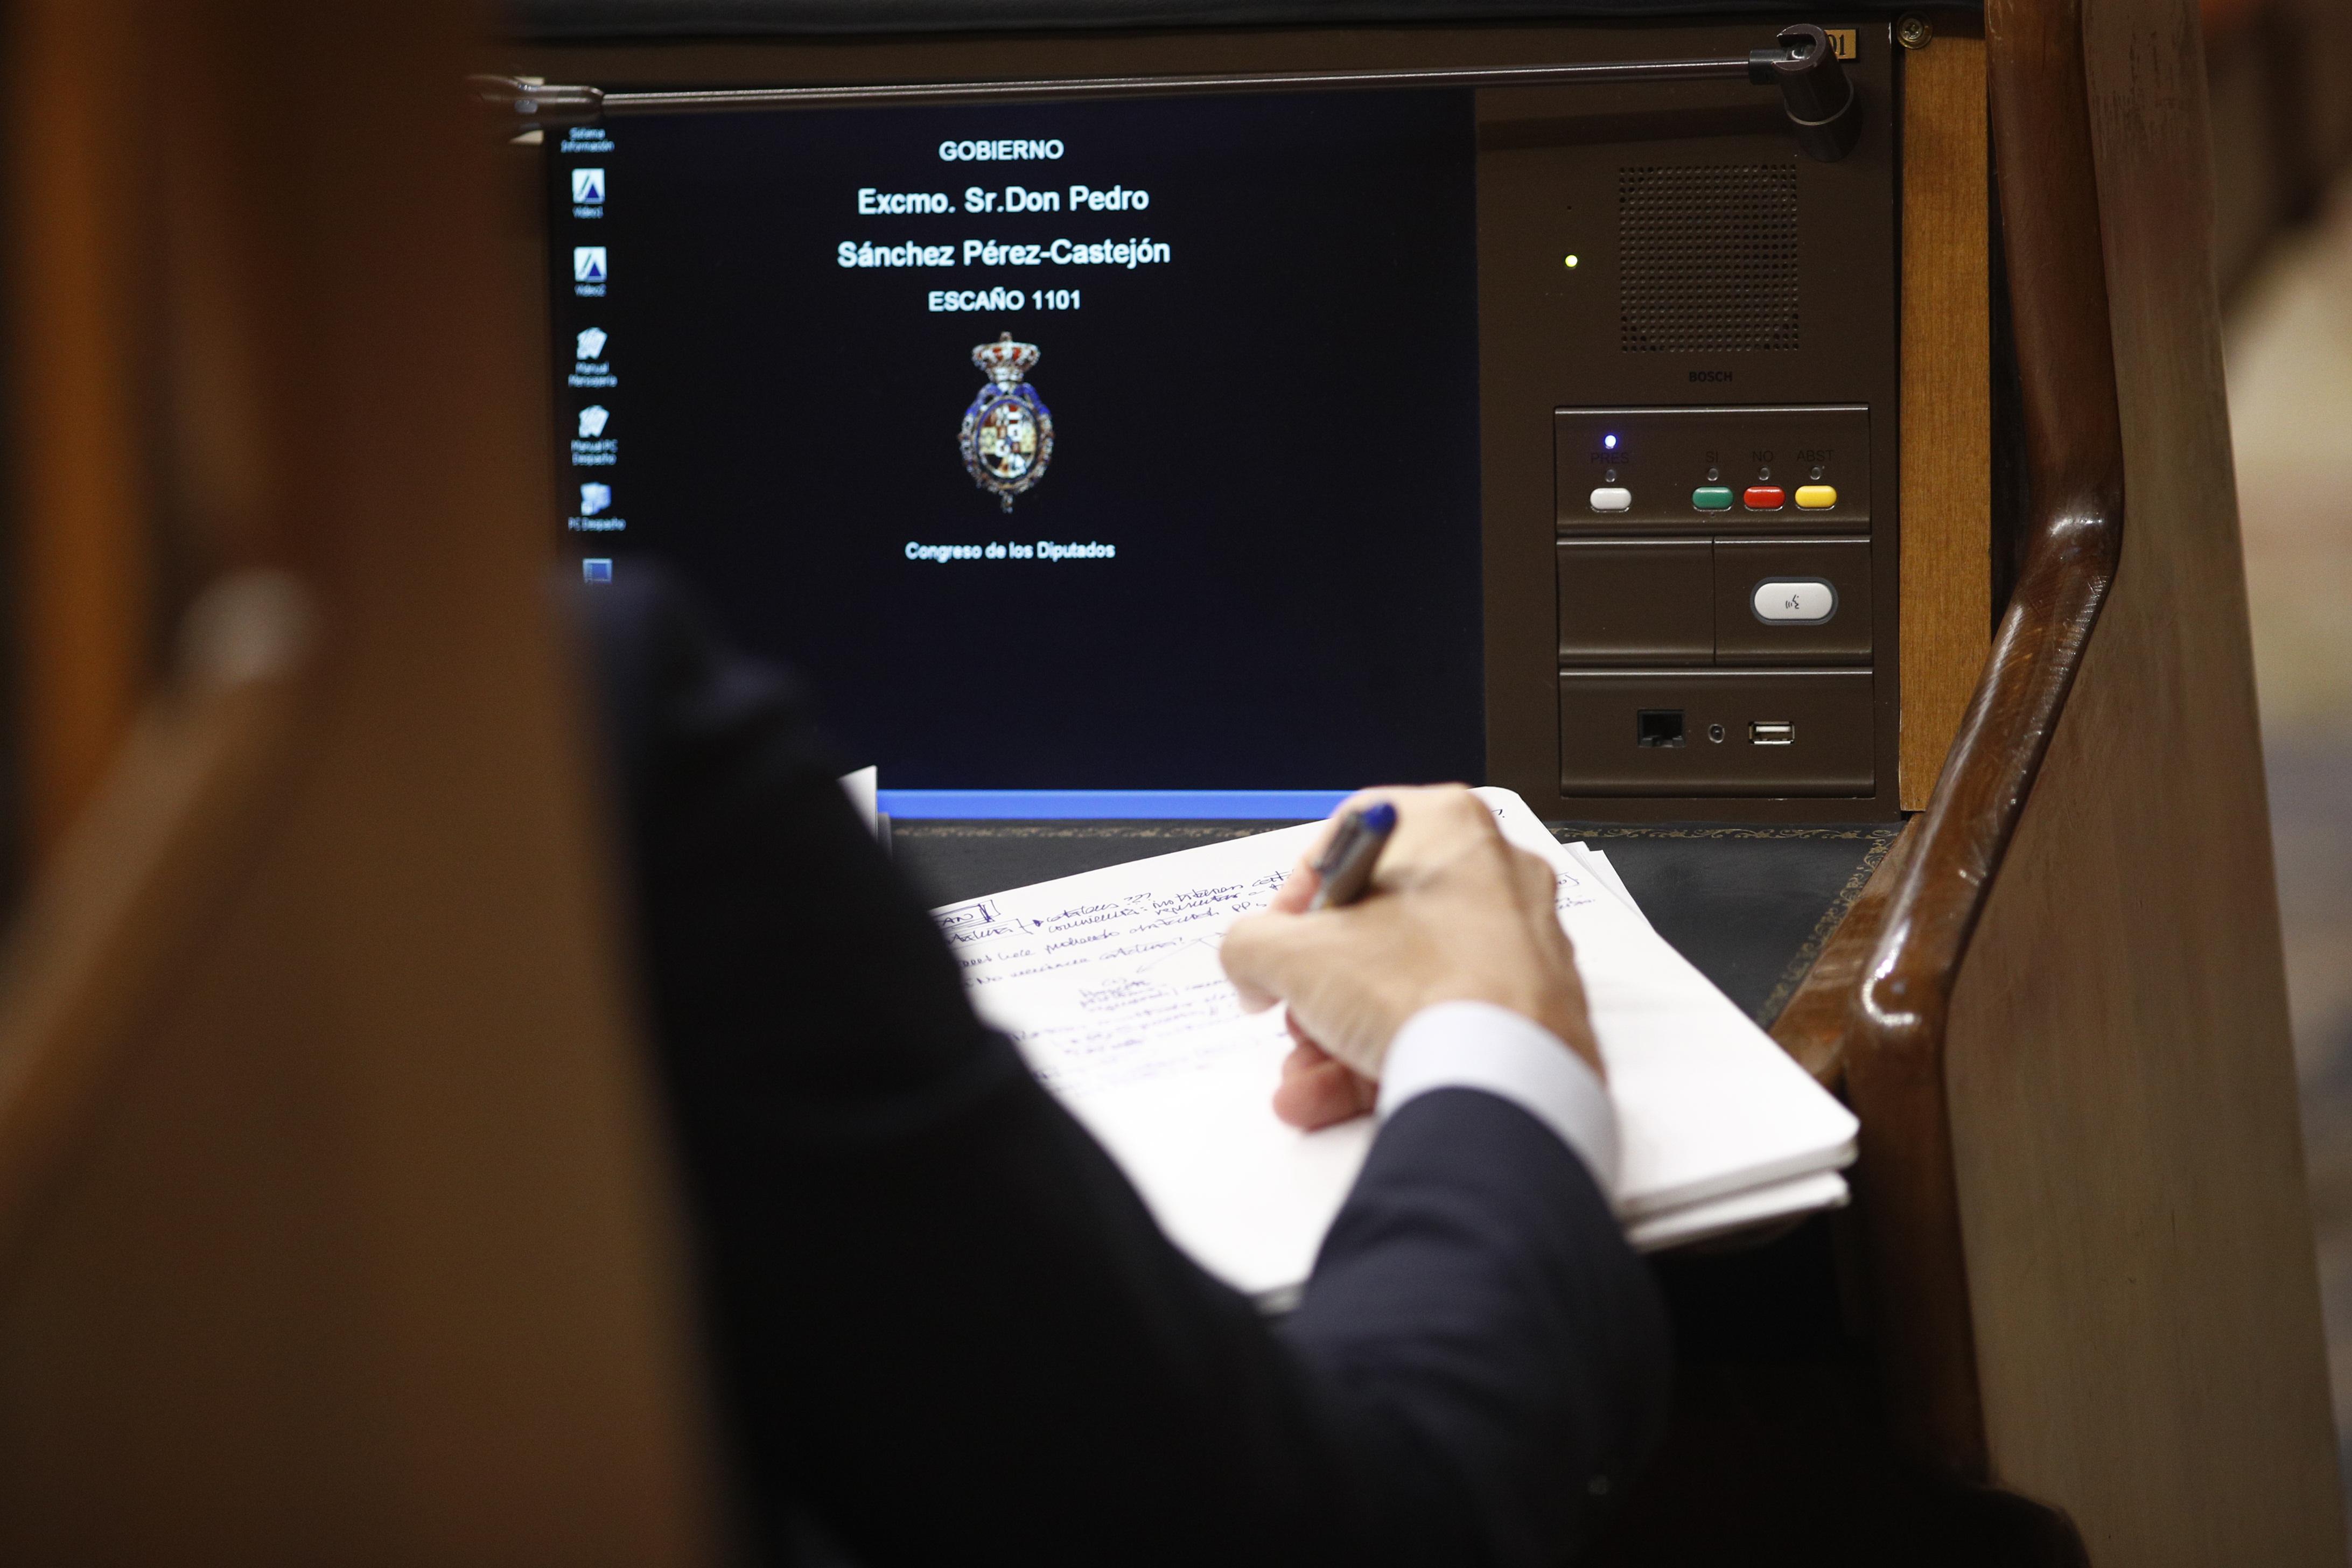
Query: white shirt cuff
1477, 1045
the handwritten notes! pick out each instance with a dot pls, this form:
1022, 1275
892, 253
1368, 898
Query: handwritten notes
1110, 979
1108, 983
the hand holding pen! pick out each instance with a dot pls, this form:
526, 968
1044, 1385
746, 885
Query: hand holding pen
1414, 899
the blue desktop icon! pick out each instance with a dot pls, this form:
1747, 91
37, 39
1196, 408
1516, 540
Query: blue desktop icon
595, 570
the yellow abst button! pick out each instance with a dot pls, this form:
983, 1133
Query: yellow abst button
1817, 498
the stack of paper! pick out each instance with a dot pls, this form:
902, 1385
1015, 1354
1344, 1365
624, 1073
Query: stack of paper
1108, 983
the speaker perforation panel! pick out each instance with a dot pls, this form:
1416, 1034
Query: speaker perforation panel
1707, 258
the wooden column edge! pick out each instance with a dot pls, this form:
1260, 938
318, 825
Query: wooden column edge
1877, 1020
1947, 398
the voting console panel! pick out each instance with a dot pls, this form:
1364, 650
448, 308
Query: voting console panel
1255, 443
1688, 373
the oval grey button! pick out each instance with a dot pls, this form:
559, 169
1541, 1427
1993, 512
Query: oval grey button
1613, 498
1806, 601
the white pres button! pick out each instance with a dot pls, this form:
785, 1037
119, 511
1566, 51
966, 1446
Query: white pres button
1613, 498
1801, 600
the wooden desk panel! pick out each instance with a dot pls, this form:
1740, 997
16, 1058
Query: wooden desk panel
1946, 613
2122, 1087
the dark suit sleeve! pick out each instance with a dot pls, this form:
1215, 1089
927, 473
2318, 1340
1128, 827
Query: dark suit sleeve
943, 1323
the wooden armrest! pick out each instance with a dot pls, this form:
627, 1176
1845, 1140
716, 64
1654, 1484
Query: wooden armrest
1873, 1015
131, 883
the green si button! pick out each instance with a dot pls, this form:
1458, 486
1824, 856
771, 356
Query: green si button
1712, 497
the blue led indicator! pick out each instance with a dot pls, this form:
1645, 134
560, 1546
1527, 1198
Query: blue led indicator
1610, 442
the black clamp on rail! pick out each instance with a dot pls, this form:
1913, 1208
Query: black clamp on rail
1823, 103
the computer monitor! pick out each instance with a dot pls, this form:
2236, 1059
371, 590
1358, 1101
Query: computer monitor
1217, 453
1076, 448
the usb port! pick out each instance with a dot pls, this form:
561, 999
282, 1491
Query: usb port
1772, 732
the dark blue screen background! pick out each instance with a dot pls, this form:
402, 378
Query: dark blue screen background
1276, 428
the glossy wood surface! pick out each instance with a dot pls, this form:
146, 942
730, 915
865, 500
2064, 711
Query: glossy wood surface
2081, 1183
1897, 1073
82, 578
174, 824
2122, 1088
1946, 610
1818, 1026
1873, 1014
334, 1219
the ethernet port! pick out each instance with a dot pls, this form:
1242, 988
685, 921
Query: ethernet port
1658, 727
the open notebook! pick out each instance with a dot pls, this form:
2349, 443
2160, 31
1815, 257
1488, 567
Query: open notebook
1110, 984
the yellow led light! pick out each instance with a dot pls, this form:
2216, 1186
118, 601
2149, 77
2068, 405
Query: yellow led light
1571, 261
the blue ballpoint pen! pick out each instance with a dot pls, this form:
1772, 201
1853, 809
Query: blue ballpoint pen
1345, 867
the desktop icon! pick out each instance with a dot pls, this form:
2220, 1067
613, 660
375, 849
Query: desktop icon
588, 264
592, 421
1007, 435
588, 186
595, 498
589, 344
596, 569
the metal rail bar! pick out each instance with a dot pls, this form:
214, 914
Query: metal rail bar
1046, 89
1799, 62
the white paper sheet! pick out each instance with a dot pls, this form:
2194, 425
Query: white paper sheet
1723, 1216
1108, 983
1598, 860
861, 788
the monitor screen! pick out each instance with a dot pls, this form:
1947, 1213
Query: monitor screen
1089, 449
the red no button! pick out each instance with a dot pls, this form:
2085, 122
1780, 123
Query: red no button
1766, 498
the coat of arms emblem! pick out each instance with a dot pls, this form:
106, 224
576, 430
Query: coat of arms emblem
1008, 436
